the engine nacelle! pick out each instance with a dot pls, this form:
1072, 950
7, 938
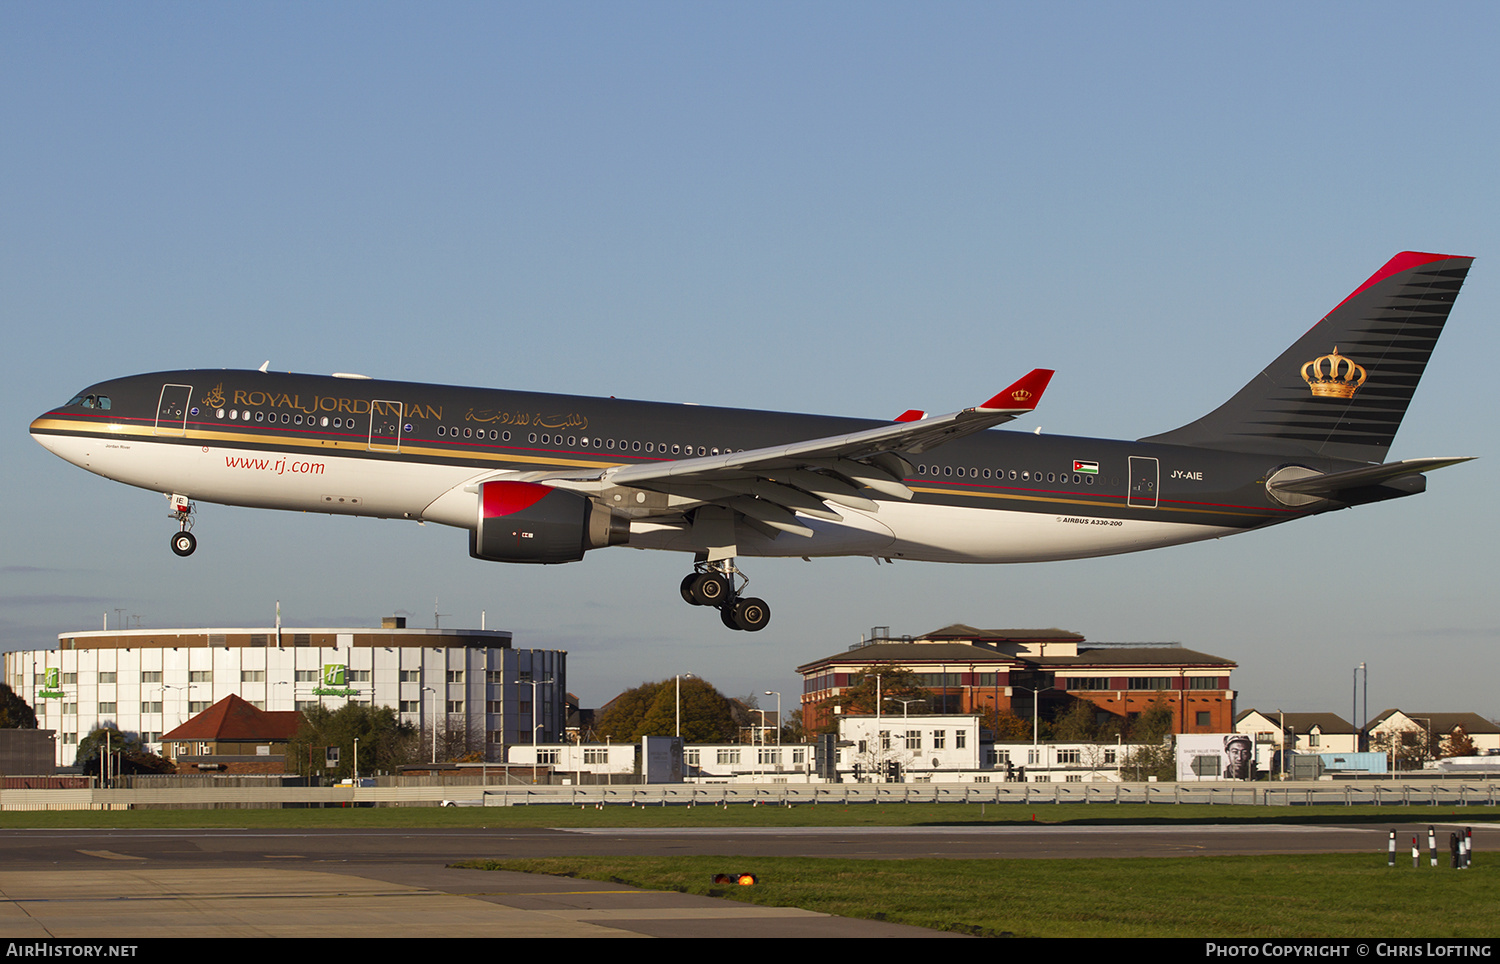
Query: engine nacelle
529, 522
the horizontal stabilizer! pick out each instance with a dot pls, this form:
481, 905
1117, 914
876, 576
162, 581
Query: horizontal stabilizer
1329, 484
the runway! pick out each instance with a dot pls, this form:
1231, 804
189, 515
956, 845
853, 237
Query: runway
373, 883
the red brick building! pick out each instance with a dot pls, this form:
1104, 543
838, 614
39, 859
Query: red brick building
971, 670
232, 736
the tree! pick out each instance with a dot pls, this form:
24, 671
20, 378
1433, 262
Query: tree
385, 742
1458, 743
888, 684
1151, 733
1076, 724
130, 756
1008, 727
651, 710
15, 713
794, 728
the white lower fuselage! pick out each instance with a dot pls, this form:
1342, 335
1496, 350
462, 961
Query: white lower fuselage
313, 481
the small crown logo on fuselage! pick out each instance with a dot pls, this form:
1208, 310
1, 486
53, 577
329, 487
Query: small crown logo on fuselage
1333, 376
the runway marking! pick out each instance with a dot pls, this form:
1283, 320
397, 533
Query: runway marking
109, 855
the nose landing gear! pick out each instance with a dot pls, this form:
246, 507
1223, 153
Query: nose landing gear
713, 584
183, 541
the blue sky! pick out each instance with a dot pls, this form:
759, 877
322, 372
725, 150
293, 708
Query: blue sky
850, 208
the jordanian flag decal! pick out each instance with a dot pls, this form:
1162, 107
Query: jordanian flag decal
1087, 468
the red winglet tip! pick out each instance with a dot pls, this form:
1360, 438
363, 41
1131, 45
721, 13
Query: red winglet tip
911, 415
1025, 393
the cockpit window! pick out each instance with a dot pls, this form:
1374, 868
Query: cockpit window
89, 401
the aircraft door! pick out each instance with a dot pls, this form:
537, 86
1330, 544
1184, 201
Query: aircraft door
385, 426
172, 409
1144, 476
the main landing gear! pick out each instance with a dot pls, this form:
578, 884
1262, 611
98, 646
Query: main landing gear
713, 584
183, 541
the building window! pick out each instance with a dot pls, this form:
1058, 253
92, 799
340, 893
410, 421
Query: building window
1109, 757
1089, 683
201, 676
939, 739
548, 756
769, 756
799, 755
409, 676
595, 755
154, 707
914, 739
455, 706
107, 709
455, 676
691, 757
1203, 718
411, 706
106, 677
1073, 756
309, 676
1203, 682
960, 739
198, 706
728, 757
252, 676
1149, 683
151, 676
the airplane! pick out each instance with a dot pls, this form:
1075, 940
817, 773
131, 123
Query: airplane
543, 478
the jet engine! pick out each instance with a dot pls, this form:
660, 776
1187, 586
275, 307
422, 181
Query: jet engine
529, 522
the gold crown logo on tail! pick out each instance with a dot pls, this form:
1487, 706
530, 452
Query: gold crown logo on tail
1333, 376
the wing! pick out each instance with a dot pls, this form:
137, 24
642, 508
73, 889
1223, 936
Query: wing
766, 488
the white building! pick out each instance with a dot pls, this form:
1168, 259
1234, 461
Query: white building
870, 749
470, 683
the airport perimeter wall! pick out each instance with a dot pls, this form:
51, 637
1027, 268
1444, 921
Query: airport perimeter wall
1446, 792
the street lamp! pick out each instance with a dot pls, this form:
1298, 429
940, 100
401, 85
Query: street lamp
778, 714
429, 689
904, 704
534, 725
679, 700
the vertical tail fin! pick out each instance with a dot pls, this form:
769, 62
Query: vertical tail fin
1341, 390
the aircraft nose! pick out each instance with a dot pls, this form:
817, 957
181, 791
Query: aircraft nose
41, 430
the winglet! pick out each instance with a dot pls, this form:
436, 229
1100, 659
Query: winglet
1024, 394
911, 415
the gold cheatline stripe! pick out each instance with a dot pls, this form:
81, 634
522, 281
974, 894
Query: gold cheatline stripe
275, 441
1092, 502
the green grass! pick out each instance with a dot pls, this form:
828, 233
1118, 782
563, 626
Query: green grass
744, 815
1322, 895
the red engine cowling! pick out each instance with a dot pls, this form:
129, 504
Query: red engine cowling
529, 522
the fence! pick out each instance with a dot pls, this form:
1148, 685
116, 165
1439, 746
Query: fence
425, 793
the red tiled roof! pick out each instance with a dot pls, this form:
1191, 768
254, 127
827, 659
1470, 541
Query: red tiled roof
234, 719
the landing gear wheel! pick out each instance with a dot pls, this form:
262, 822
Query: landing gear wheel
688, 582
726, 616
711, 589
750, 614
183, 543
